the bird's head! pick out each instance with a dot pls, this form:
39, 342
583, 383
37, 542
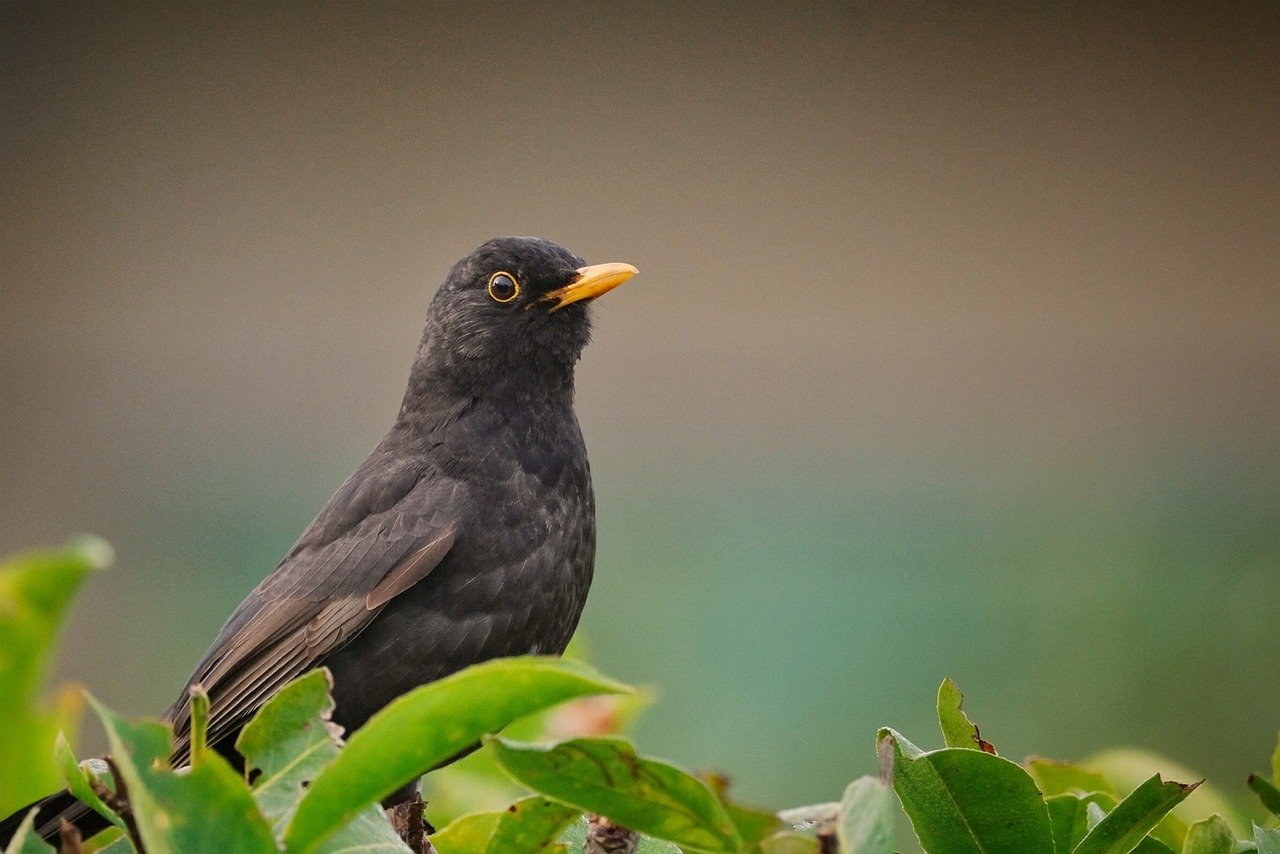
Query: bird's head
512, 316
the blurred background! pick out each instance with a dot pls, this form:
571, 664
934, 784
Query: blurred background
955, 349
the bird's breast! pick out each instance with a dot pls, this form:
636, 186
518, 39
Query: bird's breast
514, 582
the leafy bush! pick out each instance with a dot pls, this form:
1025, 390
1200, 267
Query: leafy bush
560, 760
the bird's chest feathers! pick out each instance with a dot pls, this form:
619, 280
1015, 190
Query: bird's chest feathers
533, 507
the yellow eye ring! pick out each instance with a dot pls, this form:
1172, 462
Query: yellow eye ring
503, 287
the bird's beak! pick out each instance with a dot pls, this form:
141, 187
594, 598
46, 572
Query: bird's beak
590, 283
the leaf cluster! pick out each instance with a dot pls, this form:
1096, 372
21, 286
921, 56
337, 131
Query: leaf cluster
551, 760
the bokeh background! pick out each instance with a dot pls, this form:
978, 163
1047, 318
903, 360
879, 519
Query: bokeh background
954, 351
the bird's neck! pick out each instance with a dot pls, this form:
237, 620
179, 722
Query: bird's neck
437, 398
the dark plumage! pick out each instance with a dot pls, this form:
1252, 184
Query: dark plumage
467, 534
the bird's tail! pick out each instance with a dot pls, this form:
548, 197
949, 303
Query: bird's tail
54, 810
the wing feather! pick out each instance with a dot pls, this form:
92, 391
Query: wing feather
322, 595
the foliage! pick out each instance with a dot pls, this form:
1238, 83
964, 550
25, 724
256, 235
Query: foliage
35, 591
559, 760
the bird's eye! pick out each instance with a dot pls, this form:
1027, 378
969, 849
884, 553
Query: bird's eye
503, 287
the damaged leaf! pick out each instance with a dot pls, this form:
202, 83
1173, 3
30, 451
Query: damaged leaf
957, 729
1133, 818
962, 800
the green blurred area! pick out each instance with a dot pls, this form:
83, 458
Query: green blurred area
783, 614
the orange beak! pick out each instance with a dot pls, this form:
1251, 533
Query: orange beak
590, 283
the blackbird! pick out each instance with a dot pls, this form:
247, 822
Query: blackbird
467, 534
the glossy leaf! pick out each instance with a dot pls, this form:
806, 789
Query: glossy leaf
207, 809
1133, 818
35, 591
962, 800
866, 820
1210, 836
605, 776
428, 726
957, 729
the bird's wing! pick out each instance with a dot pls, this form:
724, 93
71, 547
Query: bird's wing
374, 540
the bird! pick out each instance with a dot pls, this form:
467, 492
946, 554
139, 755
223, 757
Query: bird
467, 534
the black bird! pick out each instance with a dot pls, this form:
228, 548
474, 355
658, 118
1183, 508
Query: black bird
467, 534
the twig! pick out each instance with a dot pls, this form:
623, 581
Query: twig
118, 801
605, 837
411, 825
69, 839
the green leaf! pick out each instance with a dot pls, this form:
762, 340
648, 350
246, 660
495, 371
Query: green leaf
752, 824
1056, 778
957, 729
790, 842
1268, 841
118, 844
427, 727
78, 783
1275, 762
466, 834
207, 809
866, 821
1069, 817
1134, 817
24, 839
1128, 768
604, 775
962, 800
1266, 792
1210, 836
288, 743
370, 832
36, 590
531, 824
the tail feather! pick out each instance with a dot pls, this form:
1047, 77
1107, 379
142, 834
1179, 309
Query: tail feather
54, 810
